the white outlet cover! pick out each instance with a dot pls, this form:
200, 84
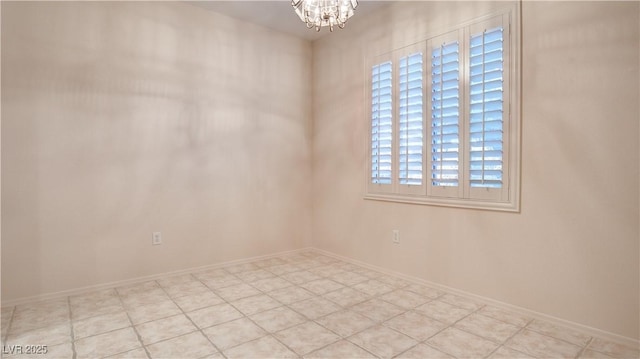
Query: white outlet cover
156, 238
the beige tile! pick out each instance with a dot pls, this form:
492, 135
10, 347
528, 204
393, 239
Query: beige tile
244, 267
49, 335
316, 307
461, 302
348, 278
138, 288
424, 291
326, 259
346, 322
507, 353
505, 316
340, 349
118, 341
613, 349
157, 330
539, 345
175, 280
269, 284
214, 356
95, 303
442, 311
377, 309
192, 345
347, 297
347, 266
265, 347
487, 327
308, 264
255, 304
592, 354
277, 319
295, 258
306, 337
39, 315
158, 310
254, 275
46, 307
64, 350
139, 353
236, 292
101, 324
221, 281
404, 298
233, 333
322, 286
559, 332
382, 341
283, 268
210, 316
423, 351
373, 287
265, 263
415, 325
301, 277
367, 272
186, 288
210, 273
395, 282
461, 344
326, 270
92, 310
151, 297
291, 294
197, 301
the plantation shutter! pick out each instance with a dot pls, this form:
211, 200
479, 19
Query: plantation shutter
486, 110
445, 114
410, 120
381, 123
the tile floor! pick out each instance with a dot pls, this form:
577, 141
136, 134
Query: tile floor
301, 305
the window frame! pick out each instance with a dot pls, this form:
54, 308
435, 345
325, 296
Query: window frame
506, 198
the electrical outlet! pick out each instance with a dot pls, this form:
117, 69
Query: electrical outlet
156, 238
396, 236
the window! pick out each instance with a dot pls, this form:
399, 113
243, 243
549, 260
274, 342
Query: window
444, 125
381, 132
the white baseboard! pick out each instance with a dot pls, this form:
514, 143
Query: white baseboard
120, 283
581, 328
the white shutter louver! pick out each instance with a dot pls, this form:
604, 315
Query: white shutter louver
445, 113
381, 123
410, 120
486, 109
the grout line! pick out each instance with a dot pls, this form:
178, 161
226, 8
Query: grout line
133, 326
6, 335
584, 347
73, 339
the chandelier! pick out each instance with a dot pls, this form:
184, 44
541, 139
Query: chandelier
319, 13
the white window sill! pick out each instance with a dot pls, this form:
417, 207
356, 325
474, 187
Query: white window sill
511, 206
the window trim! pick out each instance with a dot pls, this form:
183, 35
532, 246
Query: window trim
511, 17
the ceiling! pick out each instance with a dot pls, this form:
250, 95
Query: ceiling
278, 15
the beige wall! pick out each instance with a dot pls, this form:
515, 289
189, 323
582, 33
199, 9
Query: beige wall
119, 119
573, 250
